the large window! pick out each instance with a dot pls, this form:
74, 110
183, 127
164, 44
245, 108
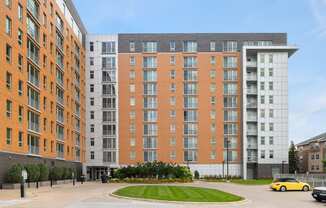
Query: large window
190, 88
190, 129
190, 155
33, 144
149, 62
230, 46
150, 129
60, 132
150, 47
190, 142
109, 130
108, 89
189, 46
150, 75
150, 102
108, 103
108, 47
33, 52
190, 62
150, 116
33, 98
109, 63
33, 121
149, 142
109, 116
190, 102
190, 75
32, 29
150, 89
230, 62
150, 155
33, 7
109, 143
109, 157
8, 25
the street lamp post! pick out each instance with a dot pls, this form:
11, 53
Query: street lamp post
227, 159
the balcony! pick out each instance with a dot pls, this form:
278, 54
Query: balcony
252, 63
252, 91
252, 145
252, 104
251, 77
252, 159
252, 132
252, 118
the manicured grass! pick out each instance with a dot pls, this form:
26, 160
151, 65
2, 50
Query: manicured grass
177, 193
252, 181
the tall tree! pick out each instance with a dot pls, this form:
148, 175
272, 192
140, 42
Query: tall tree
293, 159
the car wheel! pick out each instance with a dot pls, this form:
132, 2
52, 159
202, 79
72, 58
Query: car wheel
283, 188
305, 188
319, 200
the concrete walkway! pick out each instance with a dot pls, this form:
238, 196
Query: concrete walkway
96, 195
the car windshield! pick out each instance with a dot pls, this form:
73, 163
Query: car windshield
285, 180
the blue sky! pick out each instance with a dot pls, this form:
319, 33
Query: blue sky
303, 20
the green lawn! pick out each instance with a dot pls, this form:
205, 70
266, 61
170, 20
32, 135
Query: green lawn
252, 181
177, 193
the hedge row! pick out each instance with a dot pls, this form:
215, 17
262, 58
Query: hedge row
153, 170
38, 172
151, 180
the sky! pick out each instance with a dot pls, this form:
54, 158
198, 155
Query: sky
303, 20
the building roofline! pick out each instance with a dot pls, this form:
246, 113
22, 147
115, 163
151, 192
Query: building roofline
320, 137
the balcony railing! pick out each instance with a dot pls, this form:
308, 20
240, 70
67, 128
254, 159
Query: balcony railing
252, 158
252, 146
60, 100
251, 118
252, 64
252, 104
252, 91
252, 132
252, 77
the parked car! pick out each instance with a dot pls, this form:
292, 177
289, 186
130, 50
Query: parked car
319, 193
289, 184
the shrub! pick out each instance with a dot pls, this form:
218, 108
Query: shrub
33, 172
154, 169
44, 172
14, 174
56, 173
196, 174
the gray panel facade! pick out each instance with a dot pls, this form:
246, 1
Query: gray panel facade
203, 40
8, 159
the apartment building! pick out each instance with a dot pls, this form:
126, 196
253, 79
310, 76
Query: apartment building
216, 102
42, 84
311, 153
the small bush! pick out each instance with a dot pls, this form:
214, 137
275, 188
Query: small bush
56, 173
150, 180
196, 174
14, 174
44, 172
33, 172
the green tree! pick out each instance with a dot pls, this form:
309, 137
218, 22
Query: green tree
293, 159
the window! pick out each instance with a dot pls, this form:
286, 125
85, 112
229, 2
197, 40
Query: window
262, 126
20, 139
8, 136
8, 25
172, 100
8, 108
262, 72
271, 140
262, 140
271, 126
92, 141
20, 113
172, 60
262, 99
92, 101
149, 62
270, 84
20, 12
212, 88
92, 114
212, 46
20, 87
8, 53
190, 62
172, 128
230, 62
262, 154
271, 154
91, 46
92, 128
20, 37
132, 74
317, 156
271, 99
230, 46
8, 3
213, 60
262, 113
172, 45
212, 74
172, 87
189, 46
270, 58
132, 61
91, 61
108, 47
150, 47
92, 155
20, 62
262, 85
132, 88
132, 101
172, 74
271, 72
8, 80
132, 46
91, 88
172, 113
262, 58
271, 113
91, 74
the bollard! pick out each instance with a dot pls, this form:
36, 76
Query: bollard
37, 184
51, 182
22, 188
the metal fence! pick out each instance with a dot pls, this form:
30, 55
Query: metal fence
314, 180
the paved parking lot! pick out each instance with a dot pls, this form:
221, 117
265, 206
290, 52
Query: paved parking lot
96, 195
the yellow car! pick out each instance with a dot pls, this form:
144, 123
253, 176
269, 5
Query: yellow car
289, 184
